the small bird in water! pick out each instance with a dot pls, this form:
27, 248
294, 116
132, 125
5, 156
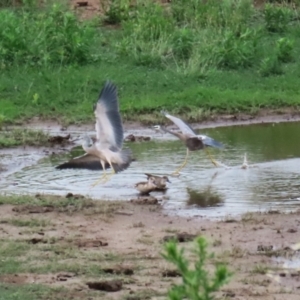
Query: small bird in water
245, 163
145, 187
160, 181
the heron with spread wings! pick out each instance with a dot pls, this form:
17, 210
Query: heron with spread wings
107, 149
192, 141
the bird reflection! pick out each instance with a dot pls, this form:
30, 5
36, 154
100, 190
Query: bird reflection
205, 198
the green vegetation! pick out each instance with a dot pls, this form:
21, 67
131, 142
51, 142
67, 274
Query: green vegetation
23, 137
69, 204
194, 57
31, 292
25, 223
196, 284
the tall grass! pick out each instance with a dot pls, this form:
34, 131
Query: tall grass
220, 56
44, 37
199, 34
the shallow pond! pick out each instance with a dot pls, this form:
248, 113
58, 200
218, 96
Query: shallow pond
271, 182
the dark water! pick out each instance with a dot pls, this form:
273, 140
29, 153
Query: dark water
202, 189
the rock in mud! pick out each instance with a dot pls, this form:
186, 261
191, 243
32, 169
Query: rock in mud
119, 270
264, 248
37, 241
82, 3
180, 237
75, 196
58, 139
107, 286
89, 243
145, 200
137, 138
64, 276
229, 294
171, 273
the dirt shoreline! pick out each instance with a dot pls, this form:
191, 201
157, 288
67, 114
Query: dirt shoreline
67, 248
263, 117
129, 237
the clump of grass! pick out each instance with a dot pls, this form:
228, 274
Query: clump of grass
2, 120
27, 223
260, 269
285, 48
197, 283
64, 204
23, 137
116, 11
44, 37
271, 66
277, 17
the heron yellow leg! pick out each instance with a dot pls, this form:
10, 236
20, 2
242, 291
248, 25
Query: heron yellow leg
103, 177
211, 158
111, 173
176, 172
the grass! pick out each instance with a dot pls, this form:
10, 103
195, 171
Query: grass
63, 204
26, 223
23, 137
260, 269
191, 58
32, 292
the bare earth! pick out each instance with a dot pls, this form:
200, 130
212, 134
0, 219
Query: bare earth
126, 238
122, 241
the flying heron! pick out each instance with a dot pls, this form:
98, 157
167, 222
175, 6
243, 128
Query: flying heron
109, 138
192, 141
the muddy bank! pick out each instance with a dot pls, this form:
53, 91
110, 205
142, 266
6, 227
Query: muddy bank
263, 116
119, 249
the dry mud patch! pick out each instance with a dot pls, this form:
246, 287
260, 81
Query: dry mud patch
105, 245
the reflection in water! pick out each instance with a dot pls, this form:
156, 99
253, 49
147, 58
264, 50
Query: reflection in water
274, 183
205, 198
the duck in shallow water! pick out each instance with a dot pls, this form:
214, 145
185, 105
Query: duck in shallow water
146, 187
160, 181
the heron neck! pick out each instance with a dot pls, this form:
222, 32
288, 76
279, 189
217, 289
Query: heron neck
86, 147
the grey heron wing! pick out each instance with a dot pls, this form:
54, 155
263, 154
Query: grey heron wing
86, 161
208, 141
184, 127
109, 126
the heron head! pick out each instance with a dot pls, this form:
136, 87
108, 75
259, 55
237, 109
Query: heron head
156, 127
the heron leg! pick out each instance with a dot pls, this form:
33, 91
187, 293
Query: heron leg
176, 172
111, 173
103, 177
211, 158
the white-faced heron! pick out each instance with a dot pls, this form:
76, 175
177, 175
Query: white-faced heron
192, 141
109, 138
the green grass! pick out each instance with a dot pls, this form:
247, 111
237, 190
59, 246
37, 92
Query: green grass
31, 292
22, 137
64, 204
25, 223
192, 59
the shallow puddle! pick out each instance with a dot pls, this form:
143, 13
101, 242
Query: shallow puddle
271, 182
